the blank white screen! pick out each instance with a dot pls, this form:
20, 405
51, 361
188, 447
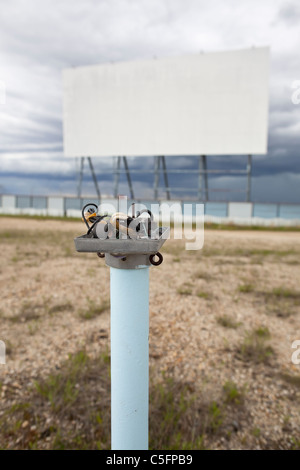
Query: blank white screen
214, 103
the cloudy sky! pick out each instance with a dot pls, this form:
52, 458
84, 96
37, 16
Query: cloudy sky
38, 38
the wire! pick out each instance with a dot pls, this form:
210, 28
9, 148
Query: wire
82, 212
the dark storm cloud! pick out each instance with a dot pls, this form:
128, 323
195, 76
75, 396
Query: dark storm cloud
40, 38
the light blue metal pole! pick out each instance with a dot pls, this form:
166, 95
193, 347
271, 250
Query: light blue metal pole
129, 290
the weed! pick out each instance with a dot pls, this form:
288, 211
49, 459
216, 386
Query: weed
227, 322
216, 416
284, 292
296, 443
204, 295
67, 306
256, 432
33, 327
262, 332
94, 310
246, 288
9, 348
291, 379
255, 348
184, 291
232, 394
203, 275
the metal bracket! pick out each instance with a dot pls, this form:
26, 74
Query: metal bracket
128, 261
148, 246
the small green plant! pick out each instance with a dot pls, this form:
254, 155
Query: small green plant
296, 443
227, 322
215, 414
262, 332
184, 291
67, 306
255, 348
60, 389
203, 275
232, 394
176, 260
256, 432
246, 288
9, 348
204, 295
284, 292
291, 379
33, 327
94, 310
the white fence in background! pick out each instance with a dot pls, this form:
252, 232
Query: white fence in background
241, 213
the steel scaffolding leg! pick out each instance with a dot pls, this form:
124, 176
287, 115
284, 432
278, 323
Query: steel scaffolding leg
94, 178
200, 176
249, 171
128, 177
156, 176
80, 177
164, 166
204, 166
117, 164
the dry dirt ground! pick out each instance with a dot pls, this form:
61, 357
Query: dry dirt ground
222, 324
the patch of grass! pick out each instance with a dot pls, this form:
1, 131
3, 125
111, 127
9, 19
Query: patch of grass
94, 309
256, 432
32, 311
180, 419
204, 295
231, 226
246, 288
203, 275
174, 248
60, 389
41, 217
9, 348
296, 443
282, 301
284, 292
262, 332
176, 260
255, 348
69, 251
91, 272
216, 416
33, 327
169, 403
227, 322
69, 409
29, 311
291, 379
185, 290
67, 306
233, 395
207, 225
280, 309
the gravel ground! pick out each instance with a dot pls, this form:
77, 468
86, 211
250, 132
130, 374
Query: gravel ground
226, 314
